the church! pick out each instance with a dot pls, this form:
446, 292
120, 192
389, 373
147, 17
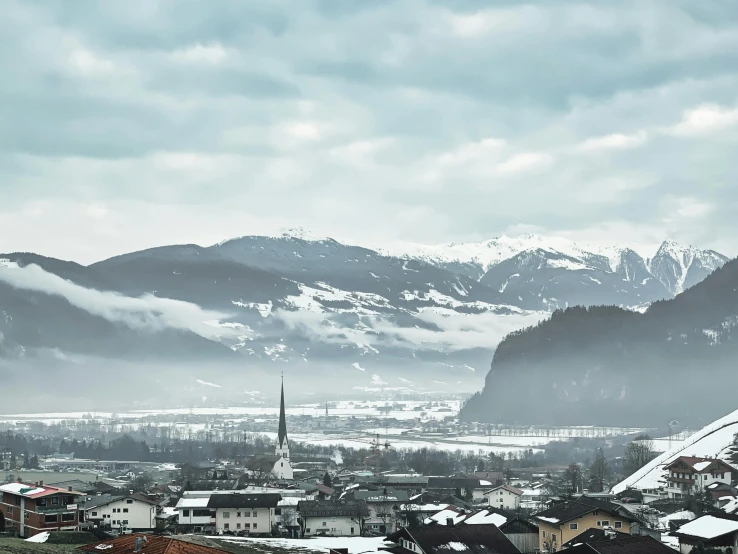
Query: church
277, 465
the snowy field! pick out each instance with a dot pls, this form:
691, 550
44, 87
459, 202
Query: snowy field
438, 411
355, 545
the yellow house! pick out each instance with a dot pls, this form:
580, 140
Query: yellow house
568, 519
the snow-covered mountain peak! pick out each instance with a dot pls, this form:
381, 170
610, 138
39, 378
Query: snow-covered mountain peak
680, 266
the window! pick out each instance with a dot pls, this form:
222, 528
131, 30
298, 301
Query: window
226, 526
185, 513
125, 510
41, 502
238, 525
544, 534
238, 514
255, 513
10, 510
248, 526
352, 530
67, 517
573, 526
254, 525
55, 500
325, 524
94, 514
125, 522
226, 515
129, 501
26, 515
618, 524
606, 523
51, 518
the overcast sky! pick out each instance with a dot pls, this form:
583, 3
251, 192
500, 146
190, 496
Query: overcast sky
131, 124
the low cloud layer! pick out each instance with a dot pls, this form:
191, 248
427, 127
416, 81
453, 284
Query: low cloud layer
148, 312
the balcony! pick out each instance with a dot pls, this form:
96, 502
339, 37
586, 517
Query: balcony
52, 509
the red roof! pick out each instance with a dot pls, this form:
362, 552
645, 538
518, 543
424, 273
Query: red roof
154, 544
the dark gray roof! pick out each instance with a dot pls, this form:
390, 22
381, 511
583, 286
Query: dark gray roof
310, 508
629, 544
241, 500
576, 508
476, 539
91, 502
76, 485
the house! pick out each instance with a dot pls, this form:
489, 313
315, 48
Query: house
468, 488
383, 508
135, 511
35, 508
487, 539
505, 497
252, 514
193, 514
146, 544
339, 518
597, 534
618, 544
494, 477
717, 531
688, 475
563, 521
521, 532
77, 485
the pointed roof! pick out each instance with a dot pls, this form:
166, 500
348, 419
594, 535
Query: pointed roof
282, 436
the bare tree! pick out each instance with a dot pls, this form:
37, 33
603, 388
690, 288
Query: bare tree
386, 514
638, 453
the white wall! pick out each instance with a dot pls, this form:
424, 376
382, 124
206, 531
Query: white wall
283, 470
136, 515
254, 520
503, 499
331, 526
190, 519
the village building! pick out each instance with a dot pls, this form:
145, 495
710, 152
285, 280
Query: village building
340, 518
688, 475
383, 508
35, 508
717, 531
488, 539
246, 514
566, 520
136, 512
504, 497
193, 513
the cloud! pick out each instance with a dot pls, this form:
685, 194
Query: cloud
148, 313
527, 161
229, 118
705, 119
615, 141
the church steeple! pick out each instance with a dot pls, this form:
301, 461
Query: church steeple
283, 445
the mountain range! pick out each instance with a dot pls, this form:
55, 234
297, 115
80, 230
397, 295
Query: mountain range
407, 317
607, 365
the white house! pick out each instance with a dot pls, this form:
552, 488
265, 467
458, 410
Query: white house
136, 512
193, 512
237, 512
504, 497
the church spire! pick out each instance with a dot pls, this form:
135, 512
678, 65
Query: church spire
282, 442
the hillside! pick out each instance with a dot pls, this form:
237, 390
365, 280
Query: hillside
611, 366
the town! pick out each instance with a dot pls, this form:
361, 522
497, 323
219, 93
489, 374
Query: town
227, 488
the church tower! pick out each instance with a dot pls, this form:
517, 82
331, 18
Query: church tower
283, 445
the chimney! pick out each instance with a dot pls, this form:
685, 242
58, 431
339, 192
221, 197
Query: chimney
139, 544
450, 521
40, 483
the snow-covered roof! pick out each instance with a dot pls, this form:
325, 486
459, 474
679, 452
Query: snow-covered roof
193, 503
444, 515
548, 519
699, 466
486, 518
709, 527
664, 521
714, 440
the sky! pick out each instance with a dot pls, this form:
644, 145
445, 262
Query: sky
127, 125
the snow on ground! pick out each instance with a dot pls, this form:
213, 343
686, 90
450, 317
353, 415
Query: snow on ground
355, 545
41, 537
715, 440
